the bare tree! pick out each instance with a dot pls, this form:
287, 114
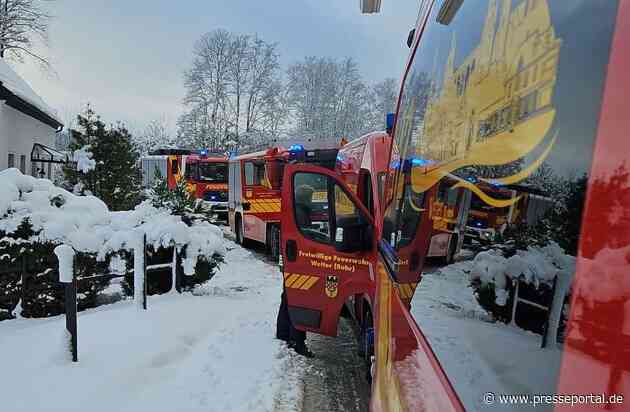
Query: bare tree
328, 99
21, 21
230, 90
156, 135
383, 97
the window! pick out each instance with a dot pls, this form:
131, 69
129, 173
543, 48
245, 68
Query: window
255, 173
451, 198
174, 167
381, 180
191, 170
312, 215
344, 207
11, 160
368, 195
23, 164
249, 173
213, 172
515, 304
410, 216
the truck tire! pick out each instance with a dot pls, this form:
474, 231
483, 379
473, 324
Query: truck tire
273, 242
450, 253
367, 340
239, 230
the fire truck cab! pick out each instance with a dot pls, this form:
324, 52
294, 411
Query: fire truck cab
494, 88
207, 179
254, 197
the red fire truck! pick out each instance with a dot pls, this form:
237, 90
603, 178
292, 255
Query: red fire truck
207, 179
500, 82
461, 217
254, 194
254, 197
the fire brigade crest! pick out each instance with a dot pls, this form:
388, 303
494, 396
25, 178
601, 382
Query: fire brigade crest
332, 282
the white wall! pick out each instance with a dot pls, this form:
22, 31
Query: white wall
18, 132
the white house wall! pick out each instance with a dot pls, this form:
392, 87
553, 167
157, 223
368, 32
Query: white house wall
18, 132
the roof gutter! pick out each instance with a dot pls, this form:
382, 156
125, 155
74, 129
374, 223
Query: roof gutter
21, 105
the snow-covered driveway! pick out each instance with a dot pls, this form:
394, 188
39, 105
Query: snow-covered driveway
214, 351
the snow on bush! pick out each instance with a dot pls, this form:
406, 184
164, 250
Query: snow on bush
535, 265
84, 160
86, 224
606, 282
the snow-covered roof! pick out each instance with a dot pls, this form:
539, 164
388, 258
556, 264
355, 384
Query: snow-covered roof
11, 81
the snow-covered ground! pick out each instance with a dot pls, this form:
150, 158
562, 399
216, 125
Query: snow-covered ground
213, 350
480, 356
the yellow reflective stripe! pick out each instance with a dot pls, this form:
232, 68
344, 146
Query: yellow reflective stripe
310, 283
299, 282
404, 288
407, 290
291, 279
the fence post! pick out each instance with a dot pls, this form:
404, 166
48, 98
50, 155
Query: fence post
144, 272
553, 318
174, 271
514, 303
139, 271
65, 256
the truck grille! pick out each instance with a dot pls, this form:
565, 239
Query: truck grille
215, 196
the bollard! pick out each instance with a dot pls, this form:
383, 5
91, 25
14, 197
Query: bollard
139, 272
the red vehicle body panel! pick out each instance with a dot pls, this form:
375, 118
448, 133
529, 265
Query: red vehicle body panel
261, 200
600, 310
198, 187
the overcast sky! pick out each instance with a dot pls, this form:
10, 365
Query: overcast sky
127, 57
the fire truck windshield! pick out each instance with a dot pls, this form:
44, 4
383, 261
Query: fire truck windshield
213, 172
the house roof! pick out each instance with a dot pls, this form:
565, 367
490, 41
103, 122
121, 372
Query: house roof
19, 95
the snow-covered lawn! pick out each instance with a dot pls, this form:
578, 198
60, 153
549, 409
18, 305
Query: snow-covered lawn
480, 356
213, 350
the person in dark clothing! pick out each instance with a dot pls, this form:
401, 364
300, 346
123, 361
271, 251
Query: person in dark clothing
303, 204
295, 338
284, 328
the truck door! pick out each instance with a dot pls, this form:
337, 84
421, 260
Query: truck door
327, 246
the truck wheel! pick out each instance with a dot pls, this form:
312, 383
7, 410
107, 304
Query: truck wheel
273, 244
450, 253
239, 230
367, 340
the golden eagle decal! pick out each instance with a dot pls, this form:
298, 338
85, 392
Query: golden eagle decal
496, 107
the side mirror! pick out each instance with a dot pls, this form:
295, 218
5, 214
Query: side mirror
352, 235
410, 37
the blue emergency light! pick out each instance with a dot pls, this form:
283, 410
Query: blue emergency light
389, 121
419, 162
204, 152
296, 148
